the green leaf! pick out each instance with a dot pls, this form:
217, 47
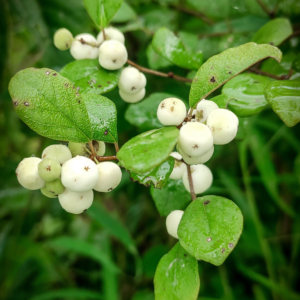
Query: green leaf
103, 117
124, 14
90, 77
173, 196
148, 150
155, 61
157, 177
296, 63
176, 276
284, 98
68, 293
171, 47
50, 105
102, 11
274, 32
221, 68
210, 228
244, 94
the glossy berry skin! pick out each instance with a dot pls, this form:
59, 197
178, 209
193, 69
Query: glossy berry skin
112, 55
111, 33
171, 112
63, 39
195, 160
76, 202
179, 167
47, 193
201, 176
172, 222
204, 108
49, 169
84, 46
60, 153
55, 187
133, 98
131, 80
28, 174
80, 148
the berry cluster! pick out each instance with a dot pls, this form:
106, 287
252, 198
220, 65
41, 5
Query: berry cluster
72, 180
200, 130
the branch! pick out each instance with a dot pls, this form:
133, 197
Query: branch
106, 158
161, 74
265, 8
193, 195
260, 72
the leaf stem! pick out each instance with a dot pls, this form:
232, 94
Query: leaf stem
106, 158
193, 195
117, 147
157, 73
104, 34
92, 149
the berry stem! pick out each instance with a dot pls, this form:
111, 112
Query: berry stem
92, 149
117, 147
193, 195
104, 34
106, 158
157, 73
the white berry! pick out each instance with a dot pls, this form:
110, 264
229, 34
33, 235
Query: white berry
111, 33
172, 222
171, 111
76, 202
110, 176
132, 98
204, 108
28, 174
194, 160
112, 55
132, 80
63, 39
201, 176
224, 125
79, 174
179, 167
195, 138
84, 47
60, 153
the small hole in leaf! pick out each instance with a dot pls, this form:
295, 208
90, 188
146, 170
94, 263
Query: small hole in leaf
78, 88
15, 103
209, 239
26, 103
66, 84
105, 132
230, 245
47, 72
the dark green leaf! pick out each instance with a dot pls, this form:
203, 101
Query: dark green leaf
157, 177
284, 98
124, 14
50, 105
148, 150
102, 11
210, 228
176, 276
68, 293
221, 68
155, 61
103, 116
296, 63
274, 32
173, 196
169, 46
90, 77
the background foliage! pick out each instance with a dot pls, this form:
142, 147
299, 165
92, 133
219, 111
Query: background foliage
46, 253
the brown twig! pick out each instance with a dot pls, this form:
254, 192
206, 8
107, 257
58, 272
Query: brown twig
106, 158
193, 195
94, 154
157, 73
265, 8
260, 72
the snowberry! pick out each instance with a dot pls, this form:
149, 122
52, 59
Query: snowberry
223, 124
79, 174
55, 187
76, 202
194, 160
49, 169
132, 80
171, 111
61, 153
110, 176
195, 139
172, 222
179, 167
111, 33
201, 176
204, 108
84, 46
80, 148
28, 174
99, 147
112, 55
47, 193
63, 39
133, 98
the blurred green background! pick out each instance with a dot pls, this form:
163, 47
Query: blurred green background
111, 251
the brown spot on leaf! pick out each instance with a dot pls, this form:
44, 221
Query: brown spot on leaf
213, 79
15, 103
206, 202
105, 132
54, 74
108, 82
223, 250
66, 84
99, 86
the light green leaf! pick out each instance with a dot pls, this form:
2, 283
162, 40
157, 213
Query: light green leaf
274, 32
221, 68
148, 150
124, 14
50, 105
284, 98
176, 276
102, 11
173, 196
156, 61
68, 293
89, 77
169, 46
210, 228
156, 177
103, 116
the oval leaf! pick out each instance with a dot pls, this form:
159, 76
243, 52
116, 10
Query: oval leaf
176, 276
274, 32
124, 14
103, 117
169, 46
284, 98
148, 150
210, 228
89, 77
50, 105
224, 66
